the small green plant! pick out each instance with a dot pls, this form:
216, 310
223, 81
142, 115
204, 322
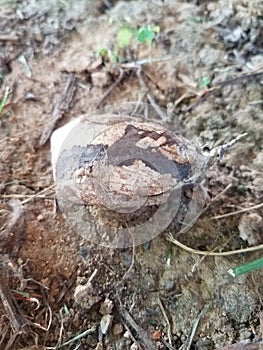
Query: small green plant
205, 82
125, 36
147, 34
4, 99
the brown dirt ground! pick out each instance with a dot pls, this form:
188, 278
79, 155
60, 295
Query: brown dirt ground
167, 290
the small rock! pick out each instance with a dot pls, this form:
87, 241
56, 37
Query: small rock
127, 335
100, 79
40, 217
83, 295
117, 329
157, 335
250, 228
134, 347
30, 96
235, 35
99, 346
106, 307
84, 252
105, 323
258, 161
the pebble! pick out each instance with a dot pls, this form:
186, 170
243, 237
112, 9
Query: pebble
126, 334
105, 323
100, 79
106, 307
117, 329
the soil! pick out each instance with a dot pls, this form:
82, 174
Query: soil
59, 290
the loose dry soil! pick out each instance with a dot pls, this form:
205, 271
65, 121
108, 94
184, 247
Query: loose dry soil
162, 296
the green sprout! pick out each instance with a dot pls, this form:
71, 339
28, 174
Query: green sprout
147, 34
102, 52
205, 81
124, 37
4, 99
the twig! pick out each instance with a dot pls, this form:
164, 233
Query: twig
37, 194
11, 308
59, 108
170, 238
219, 85
188, 343
237, 212
169, 333
132, 262
131, 335
139, 330
221, 193
77, 337
9, 37
112, 87
150, 97
19, 196
139, 63
220, 150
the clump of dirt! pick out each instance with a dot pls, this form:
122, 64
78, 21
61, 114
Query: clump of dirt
205, 65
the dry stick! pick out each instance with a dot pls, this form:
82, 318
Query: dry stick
113, 86
11, 308
139, 63
11, 342
221, 193
150, 97
131, 335
170, 238
9, 37
34, 130
59, 108
37, 194
219, 85
77, 337
19, 196
169, 333
237, 212
188, 343
139, 330
131, 264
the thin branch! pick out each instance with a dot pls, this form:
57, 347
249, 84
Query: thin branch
111, 88
170, 238
38, 194
150, 97
139, 63
237, 212
11, 308
60, 106
169, 332
141, 333
188, 343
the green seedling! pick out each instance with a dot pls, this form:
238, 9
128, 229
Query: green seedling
198, 19
103, 52
147, 34
249, 267
124, 37
4, 99
205, 81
